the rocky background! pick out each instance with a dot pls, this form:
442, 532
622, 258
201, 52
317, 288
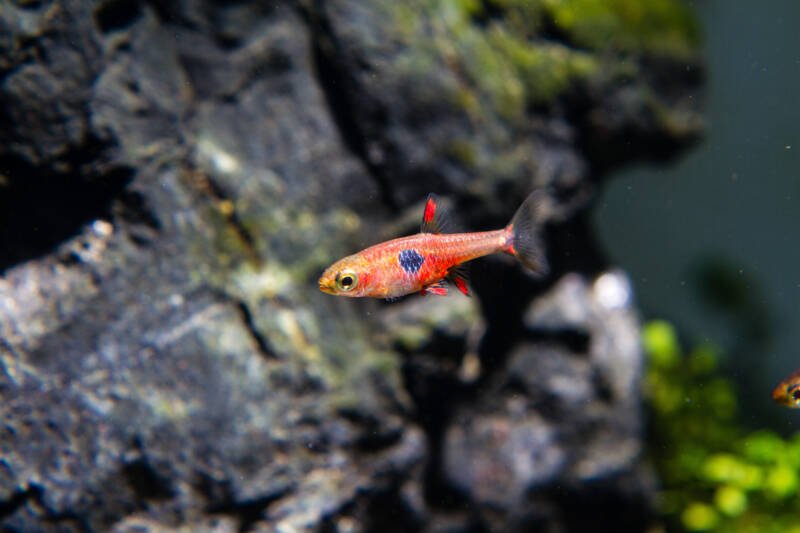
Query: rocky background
174, 176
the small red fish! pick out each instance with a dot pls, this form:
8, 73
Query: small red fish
788, 391
423, 261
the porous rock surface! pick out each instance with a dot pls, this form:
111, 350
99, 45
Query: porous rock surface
175, 175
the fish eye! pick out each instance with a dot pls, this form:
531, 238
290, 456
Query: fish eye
794, 392
346, 281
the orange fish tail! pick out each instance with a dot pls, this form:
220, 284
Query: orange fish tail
523, 232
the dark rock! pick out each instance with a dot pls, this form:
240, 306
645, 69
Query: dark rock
202, 391
48, 59
175, 175
562, 417
436, 96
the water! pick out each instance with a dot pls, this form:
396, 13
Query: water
712, 240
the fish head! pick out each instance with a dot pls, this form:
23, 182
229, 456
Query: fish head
349, 276
788, 395
788, 391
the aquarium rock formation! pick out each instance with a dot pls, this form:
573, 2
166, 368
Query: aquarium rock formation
175, 175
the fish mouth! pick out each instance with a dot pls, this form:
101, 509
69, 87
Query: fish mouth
326, 286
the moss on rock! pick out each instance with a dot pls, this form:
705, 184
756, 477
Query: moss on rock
654, 27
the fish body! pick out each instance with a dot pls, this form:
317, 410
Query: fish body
787, 392
421, 262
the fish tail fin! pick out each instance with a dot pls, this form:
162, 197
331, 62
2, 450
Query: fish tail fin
524, 242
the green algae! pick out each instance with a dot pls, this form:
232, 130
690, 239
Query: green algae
716, 475
504, 51
503, 65
263, 253
497, 65
545, 70
268, 248
464, 151
664, 27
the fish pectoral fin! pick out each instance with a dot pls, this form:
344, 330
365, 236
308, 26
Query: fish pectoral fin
439, 289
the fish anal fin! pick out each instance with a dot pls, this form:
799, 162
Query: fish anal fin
461, 284
459, 276
434, 216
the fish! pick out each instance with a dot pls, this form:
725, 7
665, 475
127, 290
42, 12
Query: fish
425, 262
787, 392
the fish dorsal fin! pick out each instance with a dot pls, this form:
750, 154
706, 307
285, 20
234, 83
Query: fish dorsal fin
434, 217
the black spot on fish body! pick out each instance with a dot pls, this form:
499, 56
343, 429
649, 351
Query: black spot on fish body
410, 260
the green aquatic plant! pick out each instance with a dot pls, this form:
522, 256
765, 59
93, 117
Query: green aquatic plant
716, 475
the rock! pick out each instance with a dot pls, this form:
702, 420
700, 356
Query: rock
172, 351
48, 60
482, 99
562, 417
175, 176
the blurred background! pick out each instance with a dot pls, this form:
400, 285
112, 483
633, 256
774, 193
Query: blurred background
708, 239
